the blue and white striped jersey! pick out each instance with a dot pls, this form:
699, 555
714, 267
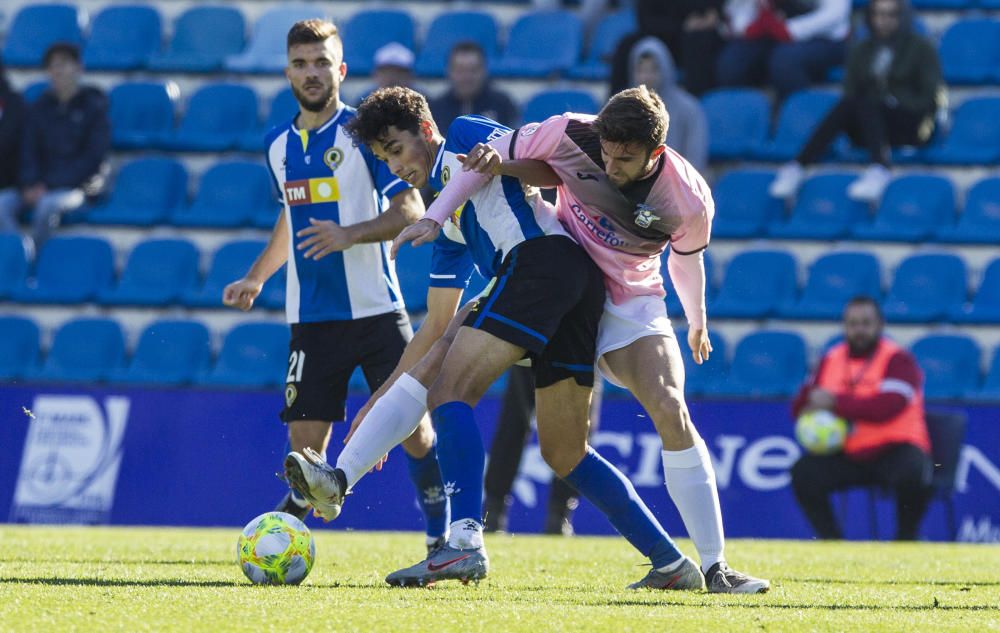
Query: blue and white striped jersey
321, 174
496, 219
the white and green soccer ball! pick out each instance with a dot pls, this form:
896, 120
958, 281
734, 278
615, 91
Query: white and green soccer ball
821, 432
276, 549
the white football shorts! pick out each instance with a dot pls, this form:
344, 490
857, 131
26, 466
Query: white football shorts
624, 324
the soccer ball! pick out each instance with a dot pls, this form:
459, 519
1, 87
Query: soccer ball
276, 549
821, 432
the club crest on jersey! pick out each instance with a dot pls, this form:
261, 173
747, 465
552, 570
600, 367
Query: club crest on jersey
291, 393
333, 157
445, 175
644, 215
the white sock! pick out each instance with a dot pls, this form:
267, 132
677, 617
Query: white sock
392, 419
690, 481
465, 534
666, 569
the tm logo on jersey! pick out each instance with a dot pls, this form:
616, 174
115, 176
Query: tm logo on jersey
311, 191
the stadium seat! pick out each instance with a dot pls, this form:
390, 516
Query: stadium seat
267, 51
83, 350
283, 108
985, 306
272, 295
413, 268
229, 263
974, 137
606, 36
69, 270
912, 208
369, 30
533, 50
833, 280
738, 119
551, 102
13, 263
449, 28
970, 51
769, 364
799, 115
158, 272
253, 355
991, 384
755, 284
36, 27
265, 217
952, 5
710, 375
19, 347
145, 193
141, 113
743, 206
229, 194
674, 307
950, 363
979, 222
122, 37
926, 288
217, 117
168, 353
203, 38
34, 91
822, 210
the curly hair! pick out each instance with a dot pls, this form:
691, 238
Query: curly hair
396, 106
636, 115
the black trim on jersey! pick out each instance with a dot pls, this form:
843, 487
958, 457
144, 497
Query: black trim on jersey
513, 142
694, 252
637, 192
586, 139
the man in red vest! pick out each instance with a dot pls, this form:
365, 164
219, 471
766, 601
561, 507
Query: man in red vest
878, 387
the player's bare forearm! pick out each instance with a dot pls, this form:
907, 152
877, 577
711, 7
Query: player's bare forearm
536, 173
405, 208
274, 254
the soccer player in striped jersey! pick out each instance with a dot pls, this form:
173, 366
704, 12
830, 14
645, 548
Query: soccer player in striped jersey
341, 206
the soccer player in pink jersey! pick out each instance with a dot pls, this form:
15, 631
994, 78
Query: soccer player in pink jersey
625, 197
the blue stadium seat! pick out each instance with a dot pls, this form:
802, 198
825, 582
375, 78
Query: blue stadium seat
913, 207
768, 364
743, 207
974, 137
533, 51
799, 115
253, 355
744, 296
229, 194
822, 210
122, 37
272, 295
970, 51
606, 36
369, 30
229, 263
36, 27
19, 347
283, 108
449, 28
547, 103
979, 222
217, 117
145, 193
985, 306
169, 353
158, 272
83, 350
991, 384
267, 51
708, 377
674, 307
738, 119
203, 38
69, 270
265, 217
34, 91
13, 263
833, 280
950, 363
141, 113
926, 288
413, 267
952, 5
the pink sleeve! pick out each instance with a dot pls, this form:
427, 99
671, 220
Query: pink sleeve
695, 232
687, 272
462, 186
537, 140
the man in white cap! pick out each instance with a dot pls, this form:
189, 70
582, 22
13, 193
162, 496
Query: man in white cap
393, 66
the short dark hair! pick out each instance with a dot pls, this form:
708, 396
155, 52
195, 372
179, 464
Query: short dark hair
467, 46
314, 31
396, 106
865, 300
68, 49
636, 115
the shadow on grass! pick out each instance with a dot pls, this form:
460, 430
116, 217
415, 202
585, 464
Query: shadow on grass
915, 583
802, 607
115, 582
116, 561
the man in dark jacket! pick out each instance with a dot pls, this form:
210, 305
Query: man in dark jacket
892, 92
64, 146
12, 115
470, 91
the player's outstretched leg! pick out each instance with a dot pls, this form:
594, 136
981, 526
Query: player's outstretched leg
322, 485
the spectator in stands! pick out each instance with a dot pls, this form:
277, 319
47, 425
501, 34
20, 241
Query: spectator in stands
12, 118
651, 64
787, 43
393, 66
470, 90
64, 146
877, 386
892, 92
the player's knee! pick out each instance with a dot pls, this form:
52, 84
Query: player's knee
670, 410
561, 457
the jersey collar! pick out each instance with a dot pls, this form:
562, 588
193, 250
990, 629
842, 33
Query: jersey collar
436, 169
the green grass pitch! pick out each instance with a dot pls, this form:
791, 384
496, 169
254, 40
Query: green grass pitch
146, 579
